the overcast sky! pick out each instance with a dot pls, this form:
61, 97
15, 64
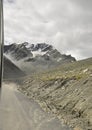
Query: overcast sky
66, 24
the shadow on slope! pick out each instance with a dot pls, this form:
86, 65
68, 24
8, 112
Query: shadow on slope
11, 71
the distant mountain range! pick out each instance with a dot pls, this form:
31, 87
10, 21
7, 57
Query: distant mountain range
35, 57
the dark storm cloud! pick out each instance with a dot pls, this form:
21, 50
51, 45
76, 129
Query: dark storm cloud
65, 24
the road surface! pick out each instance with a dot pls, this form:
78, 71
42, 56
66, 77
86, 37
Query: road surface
17, 112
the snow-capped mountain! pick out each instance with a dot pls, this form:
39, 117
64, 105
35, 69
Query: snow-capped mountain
36, 57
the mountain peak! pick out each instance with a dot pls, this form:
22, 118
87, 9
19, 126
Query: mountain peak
36, 57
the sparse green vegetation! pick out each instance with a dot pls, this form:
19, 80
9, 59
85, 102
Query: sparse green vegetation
66, 91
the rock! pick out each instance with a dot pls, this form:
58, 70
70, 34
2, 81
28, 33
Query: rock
77, 128
86, 70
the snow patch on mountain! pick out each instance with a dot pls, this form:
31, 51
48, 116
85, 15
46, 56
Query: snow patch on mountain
36, 57
59, 59
38, 53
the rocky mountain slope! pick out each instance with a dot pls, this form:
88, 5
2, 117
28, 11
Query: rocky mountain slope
11, 70
66, 92
36, 57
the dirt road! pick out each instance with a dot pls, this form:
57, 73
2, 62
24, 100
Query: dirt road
17, 112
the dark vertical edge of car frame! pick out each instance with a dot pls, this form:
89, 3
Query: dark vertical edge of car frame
1, 42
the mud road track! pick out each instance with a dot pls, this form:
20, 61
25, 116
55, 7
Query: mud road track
17, 112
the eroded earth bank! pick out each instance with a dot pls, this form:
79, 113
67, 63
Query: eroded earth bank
66, 92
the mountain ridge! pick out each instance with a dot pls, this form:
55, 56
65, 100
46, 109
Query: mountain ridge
36, 57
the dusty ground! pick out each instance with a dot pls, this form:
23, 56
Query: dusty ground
17, 112
66, 92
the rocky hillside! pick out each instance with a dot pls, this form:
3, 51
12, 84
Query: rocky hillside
35, 58
11, 70
66, 92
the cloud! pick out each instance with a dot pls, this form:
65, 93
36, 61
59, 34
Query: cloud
65, 24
